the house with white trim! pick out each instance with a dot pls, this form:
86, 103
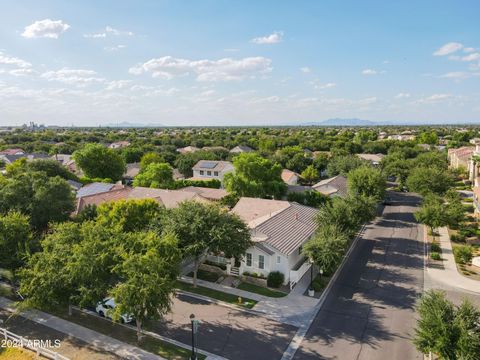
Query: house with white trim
279, 229
211, 169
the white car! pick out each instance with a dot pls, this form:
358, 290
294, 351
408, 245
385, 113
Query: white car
105, 308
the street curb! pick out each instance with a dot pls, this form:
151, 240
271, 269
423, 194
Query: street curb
209, 355
292, 348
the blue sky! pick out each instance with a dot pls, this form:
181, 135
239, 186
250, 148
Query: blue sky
215, 62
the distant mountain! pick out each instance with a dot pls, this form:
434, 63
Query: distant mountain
342, 122
133, 125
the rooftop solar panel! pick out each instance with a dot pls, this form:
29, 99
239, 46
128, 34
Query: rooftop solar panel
209, 165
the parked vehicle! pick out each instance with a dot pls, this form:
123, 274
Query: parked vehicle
106, 307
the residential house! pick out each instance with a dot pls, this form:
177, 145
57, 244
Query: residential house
16, 151
177, 175
96, 188
206, 193
401, 137
374, 159
188, 149
67, 161
119, 144
210, 169
278, 229
335, 186
241, 149
167, 198
461, 158
290, 177
8, 159
214, 148
131, 171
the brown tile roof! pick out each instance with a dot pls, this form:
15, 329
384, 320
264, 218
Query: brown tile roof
339, 183
207, 193
287, 175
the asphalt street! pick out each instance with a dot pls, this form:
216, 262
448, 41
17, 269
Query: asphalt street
231, 333
369, 313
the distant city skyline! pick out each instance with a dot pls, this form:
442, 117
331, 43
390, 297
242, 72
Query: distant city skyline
213, 62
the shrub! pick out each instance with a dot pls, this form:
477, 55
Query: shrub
468, 208
435, 255
434, 247
463, 254
319, 283
212, 263
457, 238
275, 279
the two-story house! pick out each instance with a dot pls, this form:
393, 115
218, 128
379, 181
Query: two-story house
210, 169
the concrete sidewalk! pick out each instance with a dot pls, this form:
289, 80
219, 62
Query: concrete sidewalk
449, 275
94, 338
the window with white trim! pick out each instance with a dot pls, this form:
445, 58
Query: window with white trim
261, 262
249, 259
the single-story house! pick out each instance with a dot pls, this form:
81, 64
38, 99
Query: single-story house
168, 198
210, 169
16, 151
290, 177
95, 188
207, 193
241, 149
8, 159
374, 159
67, 161
187, 149
119, 144
131, 171
335, 186
279, 229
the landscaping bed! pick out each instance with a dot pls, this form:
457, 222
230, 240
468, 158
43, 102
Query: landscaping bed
215, 294
206, 275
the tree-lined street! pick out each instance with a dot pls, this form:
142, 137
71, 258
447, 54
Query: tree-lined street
369, 313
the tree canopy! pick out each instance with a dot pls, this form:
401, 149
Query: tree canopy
367, 181
255, 176
98, 161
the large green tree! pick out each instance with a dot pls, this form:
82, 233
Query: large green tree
15, 239
255, 176
207, 228
343, 164
327, 247
156, 175
424, 180
432, 213
98, 161
367, 181
44, 199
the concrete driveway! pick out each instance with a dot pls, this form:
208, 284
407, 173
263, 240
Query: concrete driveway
369, 313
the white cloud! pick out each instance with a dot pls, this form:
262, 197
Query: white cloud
78, 77
266, 100
402, 96
45, 28
471, 57
114, 48
109, 31
448, 48
305, 69
117, 84
226, 69
9, 60
21, 72
435, 98
320, 86
468, 49
455, 75
273, 38
369, 72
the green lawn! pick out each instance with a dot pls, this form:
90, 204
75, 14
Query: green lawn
206, 275
219, 295
261, 290
129, 336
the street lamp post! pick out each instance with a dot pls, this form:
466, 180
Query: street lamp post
310, 289
194, 330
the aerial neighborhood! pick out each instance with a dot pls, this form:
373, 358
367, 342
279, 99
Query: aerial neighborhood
248, 180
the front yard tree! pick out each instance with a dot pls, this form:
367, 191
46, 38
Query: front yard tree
15, 239
44, 199
98, 161
207, 228
155, 175
148, 278
432, 213
310, 174
424, 180
255, 176
367, 181
327, 248
467, 320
